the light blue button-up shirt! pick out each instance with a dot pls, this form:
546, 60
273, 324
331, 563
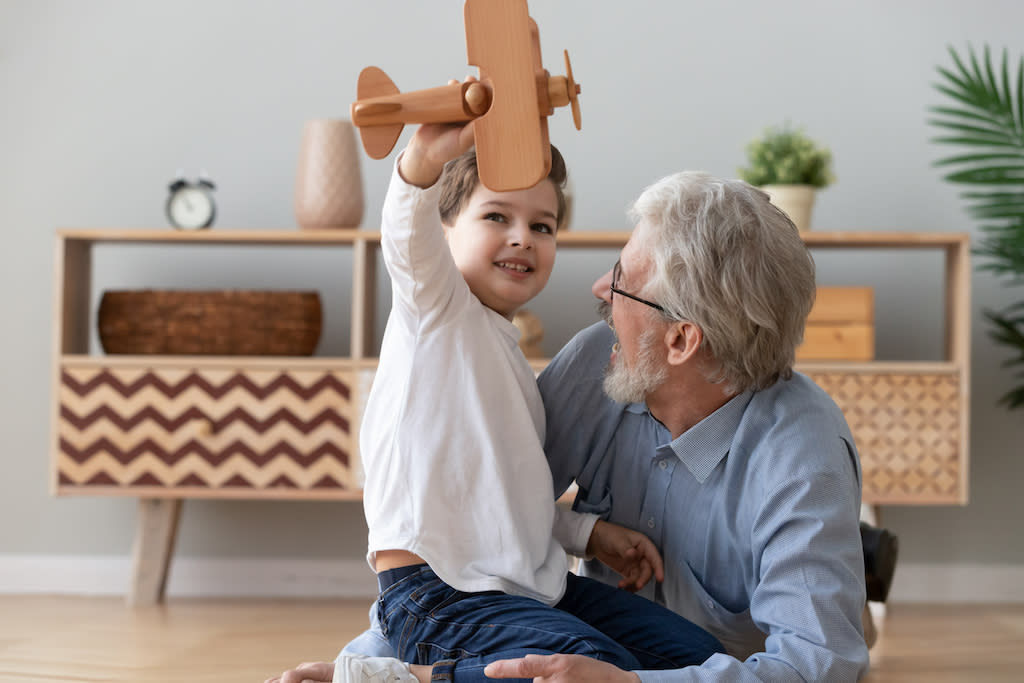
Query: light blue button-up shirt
755, 511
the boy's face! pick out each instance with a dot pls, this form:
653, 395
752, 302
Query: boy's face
504, 244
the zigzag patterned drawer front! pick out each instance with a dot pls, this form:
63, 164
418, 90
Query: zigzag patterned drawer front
205, 431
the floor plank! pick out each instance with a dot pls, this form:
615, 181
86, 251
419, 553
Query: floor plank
949, 644
103, 639
46, 639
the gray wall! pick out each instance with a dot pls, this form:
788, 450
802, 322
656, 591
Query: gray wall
101, 101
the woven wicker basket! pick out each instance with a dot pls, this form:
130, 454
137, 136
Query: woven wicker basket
225, 322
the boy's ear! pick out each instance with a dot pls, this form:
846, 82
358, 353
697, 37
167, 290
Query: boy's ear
683, 340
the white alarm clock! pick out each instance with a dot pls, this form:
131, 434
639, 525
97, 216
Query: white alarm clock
190, 205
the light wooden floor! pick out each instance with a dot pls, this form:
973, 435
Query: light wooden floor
101, 639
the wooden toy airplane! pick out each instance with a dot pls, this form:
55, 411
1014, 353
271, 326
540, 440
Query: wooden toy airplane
510, 103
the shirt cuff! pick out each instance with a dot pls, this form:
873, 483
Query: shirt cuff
572, 530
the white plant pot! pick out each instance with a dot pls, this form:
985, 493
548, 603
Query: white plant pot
796, 201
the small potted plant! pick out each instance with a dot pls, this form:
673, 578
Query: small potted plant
790, 167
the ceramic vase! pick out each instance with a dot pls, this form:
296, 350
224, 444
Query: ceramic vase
796, 201
328, 184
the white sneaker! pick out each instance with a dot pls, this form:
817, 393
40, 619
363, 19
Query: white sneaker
361, 669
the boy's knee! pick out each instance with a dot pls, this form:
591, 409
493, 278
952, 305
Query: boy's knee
370, 643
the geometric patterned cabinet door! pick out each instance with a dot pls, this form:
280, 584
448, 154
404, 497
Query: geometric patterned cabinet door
205, 431
908, 431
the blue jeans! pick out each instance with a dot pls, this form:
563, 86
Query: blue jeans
427, 621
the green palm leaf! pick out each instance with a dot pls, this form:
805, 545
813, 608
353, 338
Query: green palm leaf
966, 95
972, 158
989, 175
1001, 210
991, 195
1020, 95
983, 116
994, 133
984, 121
1008, 329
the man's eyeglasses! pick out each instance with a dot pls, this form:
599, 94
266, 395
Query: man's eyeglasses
616, 272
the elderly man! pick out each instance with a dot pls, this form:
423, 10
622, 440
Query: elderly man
699, 434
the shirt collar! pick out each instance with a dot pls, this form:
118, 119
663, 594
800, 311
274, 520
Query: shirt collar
704, 445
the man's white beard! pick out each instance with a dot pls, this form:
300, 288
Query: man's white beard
633, 383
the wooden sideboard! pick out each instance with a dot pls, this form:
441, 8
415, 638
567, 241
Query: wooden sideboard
165, 428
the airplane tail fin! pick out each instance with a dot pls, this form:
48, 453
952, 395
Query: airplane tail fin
378, 140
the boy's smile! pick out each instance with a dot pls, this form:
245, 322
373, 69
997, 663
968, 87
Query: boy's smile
515, 265
504, 244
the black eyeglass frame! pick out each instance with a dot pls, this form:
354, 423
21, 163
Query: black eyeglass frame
616, 272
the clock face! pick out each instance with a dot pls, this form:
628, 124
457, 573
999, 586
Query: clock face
190, 208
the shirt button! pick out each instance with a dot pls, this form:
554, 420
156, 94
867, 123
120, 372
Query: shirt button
711, 604
650, 523
663, 464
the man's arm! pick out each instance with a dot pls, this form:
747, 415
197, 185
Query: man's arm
809, 594
809, 590
575, 406
559, 669
808, 598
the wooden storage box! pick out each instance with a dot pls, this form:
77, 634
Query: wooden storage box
224, 322
841, 326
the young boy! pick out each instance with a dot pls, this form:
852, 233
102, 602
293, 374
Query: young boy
458, 496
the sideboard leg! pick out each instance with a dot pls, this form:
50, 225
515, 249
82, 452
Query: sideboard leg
155, 531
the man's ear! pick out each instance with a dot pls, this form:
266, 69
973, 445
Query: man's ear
683, 340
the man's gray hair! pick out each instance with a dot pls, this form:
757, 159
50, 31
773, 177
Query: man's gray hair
726, 259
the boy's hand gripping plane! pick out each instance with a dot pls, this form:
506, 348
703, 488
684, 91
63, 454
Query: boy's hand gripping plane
510, 102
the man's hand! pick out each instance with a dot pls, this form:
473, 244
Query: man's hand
560, 669
628, 552
316, 672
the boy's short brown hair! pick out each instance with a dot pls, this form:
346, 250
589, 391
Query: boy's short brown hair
461, 178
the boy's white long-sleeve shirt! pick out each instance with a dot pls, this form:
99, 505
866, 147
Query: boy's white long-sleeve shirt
451, 440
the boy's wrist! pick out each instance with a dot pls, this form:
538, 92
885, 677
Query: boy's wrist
415, 170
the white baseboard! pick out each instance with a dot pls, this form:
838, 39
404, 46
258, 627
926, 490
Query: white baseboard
310, 578
983, 583
190, 576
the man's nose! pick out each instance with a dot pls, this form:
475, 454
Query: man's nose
602, 288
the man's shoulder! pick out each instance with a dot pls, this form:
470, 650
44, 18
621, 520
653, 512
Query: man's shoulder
586, 348
575, 375
795, 416
597, 334
797, 398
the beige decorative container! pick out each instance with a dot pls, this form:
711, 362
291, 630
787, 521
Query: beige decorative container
329, 184
796, 201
